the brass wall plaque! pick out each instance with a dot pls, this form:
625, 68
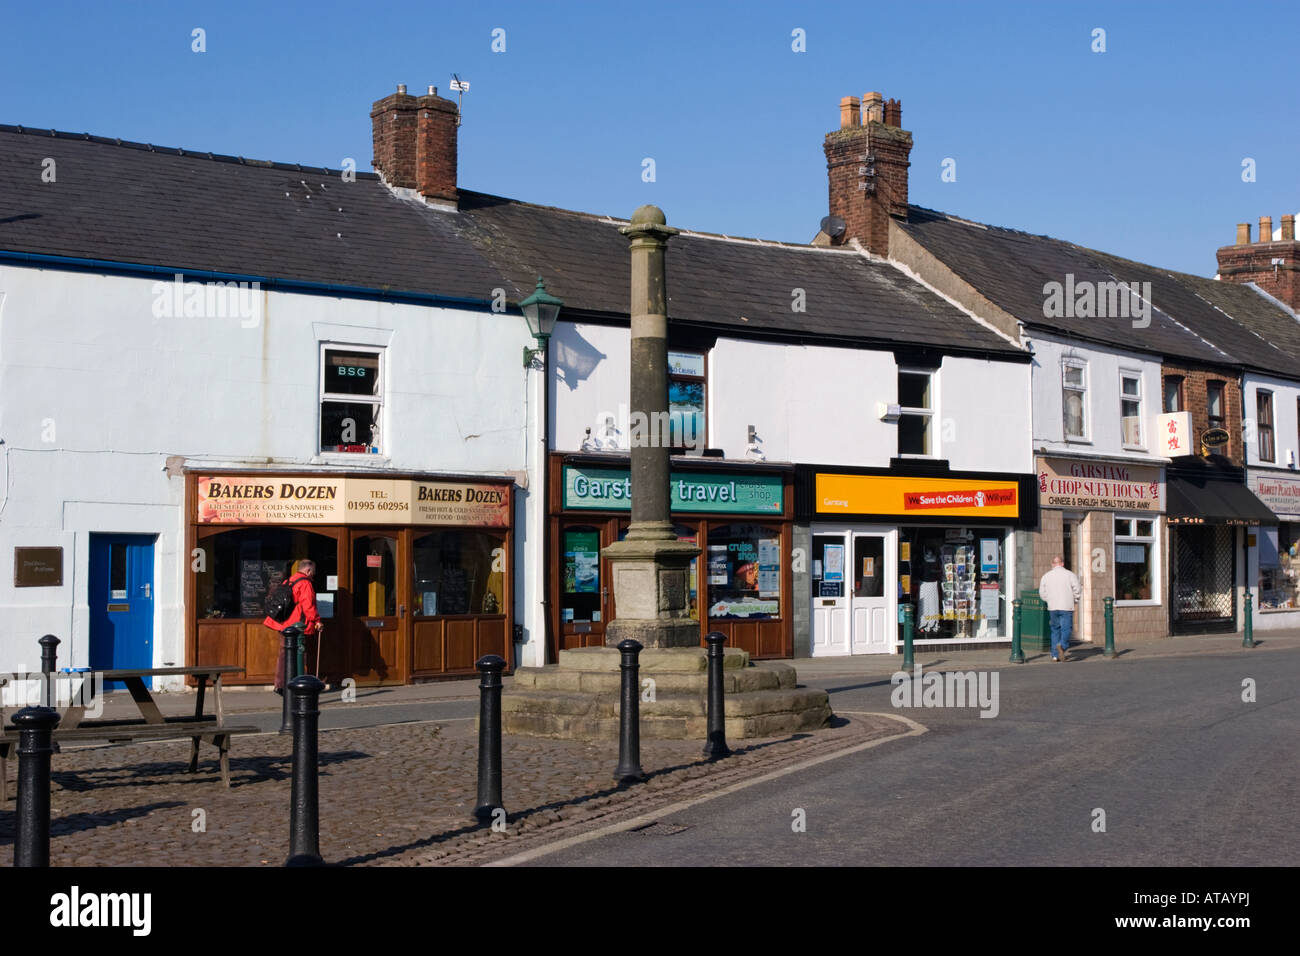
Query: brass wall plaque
38, 567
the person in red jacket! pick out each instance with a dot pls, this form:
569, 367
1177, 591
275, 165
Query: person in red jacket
304, 613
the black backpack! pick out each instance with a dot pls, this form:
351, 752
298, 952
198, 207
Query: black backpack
280, 602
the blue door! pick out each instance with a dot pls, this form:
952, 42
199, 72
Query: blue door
121, 603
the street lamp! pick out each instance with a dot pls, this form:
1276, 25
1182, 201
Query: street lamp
540, 310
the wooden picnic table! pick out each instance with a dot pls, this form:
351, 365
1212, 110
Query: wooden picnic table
151, 724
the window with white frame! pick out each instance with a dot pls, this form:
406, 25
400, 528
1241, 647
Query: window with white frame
1135, 559
1264, 424
1074, 398
915, 412
351, 399
1130, 408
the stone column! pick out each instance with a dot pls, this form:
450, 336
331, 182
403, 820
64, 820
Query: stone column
650, 567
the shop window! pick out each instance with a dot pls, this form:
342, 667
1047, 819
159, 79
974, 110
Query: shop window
1173, 398
955, 579
351, 400
580, 591
916, 412
1074, 395
1135, 545
686, 407
1264, 424
744, 571
459, 572
1278, 567
242, 565
1130, 403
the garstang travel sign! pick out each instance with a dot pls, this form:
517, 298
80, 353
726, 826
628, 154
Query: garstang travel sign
1065, 483
322, 499
610, 489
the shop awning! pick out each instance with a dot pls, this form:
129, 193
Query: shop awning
1203, 494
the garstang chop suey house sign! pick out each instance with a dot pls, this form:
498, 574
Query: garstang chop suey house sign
1065, 483
326, 499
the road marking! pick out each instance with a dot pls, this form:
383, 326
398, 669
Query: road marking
914, 730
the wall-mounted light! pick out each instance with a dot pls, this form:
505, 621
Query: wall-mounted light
752, 449
540, 310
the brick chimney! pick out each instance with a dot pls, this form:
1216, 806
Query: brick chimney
415, 143
1273, 266
866, 164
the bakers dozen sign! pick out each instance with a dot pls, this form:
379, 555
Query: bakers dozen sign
1082, 484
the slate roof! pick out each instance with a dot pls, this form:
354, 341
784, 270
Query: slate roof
1193, 318
153, 206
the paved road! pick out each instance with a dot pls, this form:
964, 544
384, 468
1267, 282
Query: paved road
355, 716
1185, 771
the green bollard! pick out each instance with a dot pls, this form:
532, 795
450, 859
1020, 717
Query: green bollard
1110, 626
1017, 652
907, 637
1249, 639
302, 653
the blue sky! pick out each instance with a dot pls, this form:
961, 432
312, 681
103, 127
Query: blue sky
1137, 150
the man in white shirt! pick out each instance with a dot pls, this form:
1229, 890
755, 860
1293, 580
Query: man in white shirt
1060, 589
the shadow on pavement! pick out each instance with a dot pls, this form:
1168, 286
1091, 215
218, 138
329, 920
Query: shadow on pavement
80, 822
524, 815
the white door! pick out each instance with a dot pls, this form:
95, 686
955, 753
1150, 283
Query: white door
831, 624
872, 592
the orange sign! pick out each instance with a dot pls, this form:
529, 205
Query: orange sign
928, 497
271, 499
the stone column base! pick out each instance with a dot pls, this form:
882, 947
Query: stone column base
650, 591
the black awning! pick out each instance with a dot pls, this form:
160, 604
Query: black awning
1213, 500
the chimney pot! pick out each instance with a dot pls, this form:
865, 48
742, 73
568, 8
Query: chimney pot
850, 107
433, 90
1243, 233
1265, 228
873, 108
1288, 228
401, 88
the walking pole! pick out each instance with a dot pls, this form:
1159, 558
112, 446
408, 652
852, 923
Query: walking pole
319, 630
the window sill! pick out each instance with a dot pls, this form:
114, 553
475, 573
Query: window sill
1141, 448
1151, 603
1077, 441
349, 457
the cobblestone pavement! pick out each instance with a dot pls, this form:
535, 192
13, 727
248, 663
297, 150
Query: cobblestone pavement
399, 794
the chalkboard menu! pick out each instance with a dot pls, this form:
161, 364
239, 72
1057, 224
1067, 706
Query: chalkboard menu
256, 579
454, 596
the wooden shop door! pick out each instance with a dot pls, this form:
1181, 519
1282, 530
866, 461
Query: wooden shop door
378, 617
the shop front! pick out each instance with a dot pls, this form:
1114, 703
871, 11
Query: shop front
737, 513
1276, 562
1105, 519
1210, 514
412, 572
943, 544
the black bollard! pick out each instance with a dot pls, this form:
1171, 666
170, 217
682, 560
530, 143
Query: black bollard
35, 744
49, 660
489, 737
715, 748
629, 722
289, 650
304, 805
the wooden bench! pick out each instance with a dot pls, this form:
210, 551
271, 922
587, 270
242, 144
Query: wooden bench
150, 726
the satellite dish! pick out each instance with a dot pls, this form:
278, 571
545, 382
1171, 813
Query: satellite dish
833, 226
